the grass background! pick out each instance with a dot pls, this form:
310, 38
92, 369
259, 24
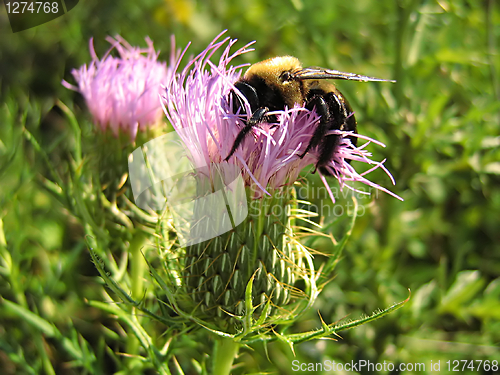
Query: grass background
440, 123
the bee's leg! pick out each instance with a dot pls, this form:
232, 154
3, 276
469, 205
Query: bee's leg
258, 116
319, 104
251, 96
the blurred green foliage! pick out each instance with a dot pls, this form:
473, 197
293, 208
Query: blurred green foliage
440, 123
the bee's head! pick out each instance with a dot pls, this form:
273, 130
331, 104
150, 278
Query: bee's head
278, 75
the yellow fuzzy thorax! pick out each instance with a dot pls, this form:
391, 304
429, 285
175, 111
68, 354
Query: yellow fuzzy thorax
270, 71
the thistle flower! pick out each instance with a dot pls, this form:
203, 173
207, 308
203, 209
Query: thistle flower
196, 104
122, 92
261, 252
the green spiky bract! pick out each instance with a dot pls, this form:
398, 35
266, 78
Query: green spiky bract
260, 250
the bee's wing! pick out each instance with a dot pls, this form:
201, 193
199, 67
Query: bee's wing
321, 73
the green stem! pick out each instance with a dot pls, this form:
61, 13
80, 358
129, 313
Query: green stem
492, 47
226, 349
403, 12
10, 267
138, 267
398, 61
138, 264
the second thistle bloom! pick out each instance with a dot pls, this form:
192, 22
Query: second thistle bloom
122, 92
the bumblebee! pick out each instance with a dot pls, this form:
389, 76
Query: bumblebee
279, 82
